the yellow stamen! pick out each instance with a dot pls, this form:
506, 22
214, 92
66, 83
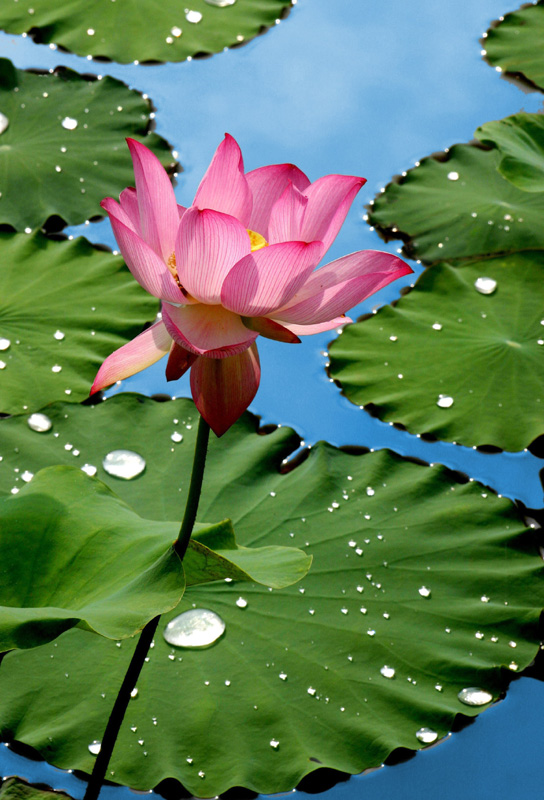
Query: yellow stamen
171, 264
257, 241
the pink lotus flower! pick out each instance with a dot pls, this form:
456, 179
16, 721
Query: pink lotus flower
239, 263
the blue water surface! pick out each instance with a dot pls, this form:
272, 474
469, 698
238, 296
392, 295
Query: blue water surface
366, 88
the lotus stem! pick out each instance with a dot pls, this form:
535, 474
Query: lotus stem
146, 637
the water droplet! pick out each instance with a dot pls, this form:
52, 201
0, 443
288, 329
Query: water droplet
484, 598
124, 464
485, 285
56, 368
369, 491
437, 326
59, 336
426, 735
39, 423
444, 401
452, 176
4, 344
94, 747
220, 3
175, 31
282, 676
274, 743
479, 635
311, 690
424, 591
89, 469
201, 774
241, 602
134, 692
193, 16
27, 477
4, 122
69, 123
387, 672
371, 632
474, 696
90, 31
177, 437
198, 627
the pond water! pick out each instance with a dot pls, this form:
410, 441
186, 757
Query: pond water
359, 88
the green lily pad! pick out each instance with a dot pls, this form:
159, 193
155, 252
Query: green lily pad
515, 44
520, 141
142, 30
420, 587
17, 789
64, 307
117, 570
73, 553
84, 435
450, 361
459, 207
64, 149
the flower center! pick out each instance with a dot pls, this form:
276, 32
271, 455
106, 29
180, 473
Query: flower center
171, 264
257, 241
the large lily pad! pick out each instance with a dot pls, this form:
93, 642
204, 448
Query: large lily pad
515, 43
459, 207
520, 141
64, 149
64, 307
420, 587
142, 30
73, 553
450, 361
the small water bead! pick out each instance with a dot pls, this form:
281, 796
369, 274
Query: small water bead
274, 743
125, 464
311, 690
437, 326
27, 477
134, 692
424, 591
69, 124
4, 122
370, 491
89, 469
387, 672
485, 285
177, 437
484, 598
175, 31
282, 676
220, 3
444, 401
39, 423
56, 368
198, 627
473, 696
94, 747
453, 176
241, 602
479, 635
371, 632
426, 735
193, 16
59, 336
201, 774
4, 344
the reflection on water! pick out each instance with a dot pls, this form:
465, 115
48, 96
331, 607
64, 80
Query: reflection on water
349, 87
